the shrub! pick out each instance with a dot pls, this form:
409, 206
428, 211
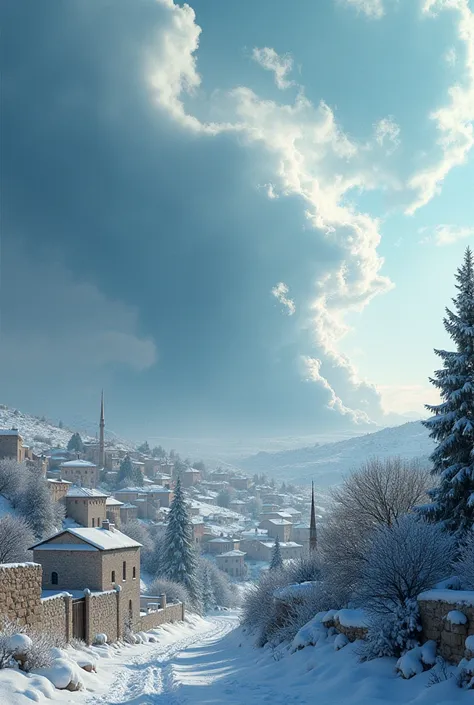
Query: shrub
464, 567
12, 476
15, 538
175, 592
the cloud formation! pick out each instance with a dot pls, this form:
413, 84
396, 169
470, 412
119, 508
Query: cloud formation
445, 234
280, 292
387, 134
280, 64
371, 8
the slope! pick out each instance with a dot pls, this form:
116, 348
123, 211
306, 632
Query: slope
326, 464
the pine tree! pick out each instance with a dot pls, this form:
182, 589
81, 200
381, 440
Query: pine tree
75, 443
179, 560
144, 448
277, 561
452, 426
208, 598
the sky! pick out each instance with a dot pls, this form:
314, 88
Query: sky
238, 218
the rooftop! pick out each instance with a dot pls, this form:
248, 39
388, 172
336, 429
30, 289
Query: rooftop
112, 502
59, 482
102, 539
231, 554
78, 463
84, 492
9, 432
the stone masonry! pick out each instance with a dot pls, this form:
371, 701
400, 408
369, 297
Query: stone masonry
56, 616
20, 593
434, 609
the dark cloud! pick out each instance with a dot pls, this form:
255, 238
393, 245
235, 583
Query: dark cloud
166, 227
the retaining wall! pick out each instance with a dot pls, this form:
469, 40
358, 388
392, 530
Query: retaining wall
56, 616
435, 605
20, 593
171, 613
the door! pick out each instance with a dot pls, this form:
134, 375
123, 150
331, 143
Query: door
78, 619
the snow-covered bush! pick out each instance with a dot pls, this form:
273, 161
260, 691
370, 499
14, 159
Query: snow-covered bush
40, 653
33, 500
216, 584
464, 567
12, 476
259, 611
305, 569
175, 592
8, 630
100, 639
16, 537
404, 559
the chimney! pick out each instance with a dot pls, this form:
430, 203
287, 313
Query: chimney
106, 524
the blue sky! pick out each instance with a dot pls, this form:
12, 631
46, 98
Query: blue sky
238, 218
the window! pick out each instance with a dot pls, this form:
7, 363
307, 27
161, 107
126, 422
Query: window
54, 578
113, 576
130, 609
124, 570
93, 522
98, 521
134, 575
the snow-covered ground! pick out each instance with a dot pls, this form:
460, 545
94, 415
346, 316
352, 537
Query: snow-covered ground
211, 662
325, 464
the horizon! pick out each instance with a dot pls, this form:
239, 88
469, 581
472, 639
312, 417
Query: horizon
242, 222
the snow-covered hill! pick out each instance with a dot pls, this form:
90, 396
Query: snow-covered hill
41, 434
325, 464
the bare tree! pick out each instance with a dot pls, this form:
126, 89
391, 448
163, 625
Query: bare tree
383, 490
15, 538
12, 476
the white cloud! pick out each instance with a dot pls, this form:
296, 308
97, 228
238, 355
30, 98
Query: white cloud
454, 121
280, 292
405, 398
280, 64
308, 156
372, 8
451, 57
387, 134
312, 373
445, 234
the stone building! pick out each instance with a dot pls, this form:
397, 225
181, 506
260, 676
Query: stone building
300, 534
240, 483
112, 509
232, 563
97, 559
11, 445
86, 506
128, 512
191, 477
58, 489
198, 529
277, 527
80, 472
222, 544
238, 506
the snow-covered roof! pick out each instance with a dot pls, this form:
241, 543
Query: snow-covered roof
112, 502
78, 463
279, 522
221, 539
103, 539
85, 492
9, 432
59, 482
237, 501
127, 505
192, 470
231, 554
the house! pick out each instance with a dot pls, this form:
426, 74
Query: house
240, 483
198, 529
128, 512
266, 507
112, 510
237, 506
58, 489
86, 506
11, 445
232, 563
300, 534
95, 558
80, 472
277, 527
222, 544
219, 476
294, 513
262, 550
191, 477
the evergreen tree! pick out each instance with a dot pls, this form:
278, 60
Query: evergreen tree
452, 426
75, 444
208, 598
158, 452
144, 448
129, 474
277, 561
179, 560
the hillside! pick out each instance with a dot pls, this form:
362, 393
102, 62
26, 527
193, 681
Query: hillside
325, 464
41, 434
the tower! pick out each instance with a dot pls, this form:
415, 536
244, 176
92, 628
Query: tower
313, 539
101, 433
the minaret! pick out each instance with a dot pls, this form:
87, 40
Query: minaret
101, 433
313, 539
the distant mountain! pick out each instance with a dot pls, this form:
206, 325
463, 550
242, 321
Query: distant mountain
326, 464
41, 434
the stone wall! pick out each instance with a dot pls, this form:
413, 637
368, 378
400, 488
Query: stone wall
435, 605
103, 615
56, 616
20, 593
171, 613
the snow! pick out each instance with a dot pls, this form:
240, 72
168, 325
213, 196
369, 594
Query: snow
61, 673
469, 643
452, 597
351, 618
78, 463
410, 664
456, 617
294, 591
104, 539
340, 641
232, 554
64, 547
85, 492
6, 566
19, 643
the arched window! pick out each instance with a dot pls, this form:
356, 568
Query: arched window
54, 578
134, 573
113, 576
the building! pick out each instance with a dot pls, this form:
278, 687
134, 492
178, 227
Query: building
300, 533
80, 472
58, 489
295, 514
11, 445
232, 563
262, 550
222, 544
277, 527
112, 509
86, 506
97, 559
190, 477
198, 529
240, 483
219, 476
237, 506
128, 512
